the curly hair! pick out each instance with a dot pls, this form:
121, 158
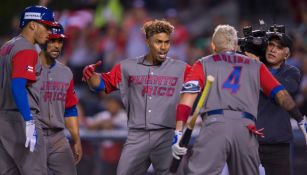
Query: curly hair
151, 28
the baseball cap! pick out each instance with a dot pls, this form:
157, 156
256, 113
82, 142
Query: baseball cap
37, 13
57, 32
284, 39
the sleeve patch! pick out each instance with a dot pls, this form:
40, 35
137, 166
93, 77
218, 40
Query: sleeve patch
190, 87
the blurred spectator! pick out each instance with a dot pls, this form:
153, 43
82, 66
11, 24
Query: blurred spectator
111, 46
300, 10
203, 16
296, 57
198, 47
180, 37
81, 35
113, 118
108, 11
134, 20
81, 42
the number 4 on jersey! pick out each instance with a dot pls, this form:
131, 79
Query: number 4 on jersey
232, 82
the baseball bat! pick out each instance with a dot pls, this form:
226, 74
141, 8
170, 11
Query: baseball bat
185, 139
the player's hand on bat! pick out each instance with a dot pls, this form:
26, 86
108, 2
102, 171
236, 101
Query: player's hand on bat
89, 70
176, 149
302, 125
31, 135
77, 152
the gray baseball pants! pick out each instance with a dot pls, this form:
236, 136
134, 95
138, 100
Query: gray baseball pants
15, 159
224, 138
144, 147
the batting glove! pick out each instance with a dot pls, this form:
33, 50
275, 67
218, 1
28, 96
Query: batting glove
89, 70
176, 149
303, 127
31, 135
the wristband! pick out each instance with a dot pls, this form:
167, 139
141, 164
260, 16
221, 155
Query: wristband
101, 85
183, 112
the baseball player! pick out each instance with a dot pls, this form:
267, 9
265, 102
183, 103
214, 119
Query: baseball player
58, 108
228, 134
19, 106
149, 87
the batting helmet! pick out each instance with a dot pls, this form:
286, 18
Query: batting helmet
37, 13
57, 32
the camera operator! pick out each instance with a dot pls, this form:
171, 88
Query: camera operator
275, 147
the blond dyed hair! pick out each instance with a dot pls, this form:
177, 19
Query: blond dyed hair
225, 38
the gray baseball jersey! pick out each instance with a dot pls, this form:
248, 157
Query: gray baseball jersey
18, 59
150, 95
56, 94
238, 85
231, 106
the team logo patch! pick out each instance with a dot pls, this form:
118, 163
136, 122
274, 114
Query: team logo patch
191, 84
191, 87
33, 15
30, 69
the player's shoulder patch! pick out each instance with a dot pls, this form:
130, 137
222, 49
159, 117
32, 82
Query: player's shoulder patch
190, 87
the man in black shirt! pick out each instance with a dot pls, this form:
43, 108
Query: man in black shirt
274, 148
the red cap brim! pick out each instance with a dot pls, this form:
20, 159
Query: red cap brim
54, 36
48, 23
